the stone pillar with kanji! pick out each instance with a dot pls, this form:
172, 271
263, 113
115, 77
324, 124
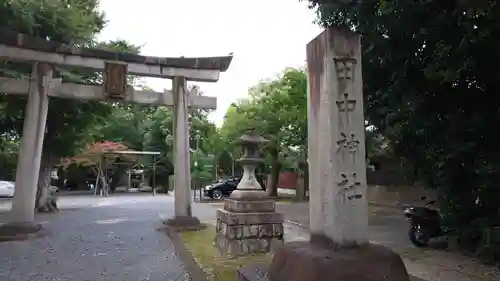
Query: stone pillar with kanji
339, 247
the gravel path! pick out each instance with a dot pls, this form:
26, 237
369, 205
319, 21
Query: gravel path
386, 226
115, 241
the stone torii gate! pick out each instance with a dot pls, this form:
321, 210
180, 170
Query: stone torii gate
115, 66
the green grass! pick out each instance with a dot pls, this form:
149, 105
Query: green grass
218, 268
285, 200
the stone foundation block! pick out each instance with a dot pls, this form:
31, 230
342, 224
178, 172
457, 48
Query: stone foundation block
240, 247
232, 218
244, 206
239, 234
237, 231
305, 261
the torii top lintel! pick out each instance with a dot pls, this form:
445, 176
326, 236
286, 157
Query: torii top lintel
40, 49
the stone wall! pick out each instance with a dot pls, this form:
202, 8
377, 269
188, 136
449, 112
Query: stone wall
387, 187
388, 176
397, 195
390, 196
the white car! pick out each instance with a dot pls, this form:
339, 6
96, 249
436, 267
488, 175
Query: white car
7, 188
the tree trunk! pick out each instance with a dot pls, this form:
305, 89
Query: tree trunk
116, 177
300, 191
272, 186
43, 193
60, 177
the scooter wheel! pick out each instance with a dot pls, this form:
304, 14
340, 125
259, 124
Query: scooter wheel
418, 238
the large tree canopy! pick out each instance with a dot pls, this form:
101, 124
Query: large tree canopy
276, 109
150, 128
431, 86
68, 120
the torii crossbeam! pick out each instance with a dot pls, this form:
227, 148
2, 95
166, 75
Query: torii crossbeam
115, 66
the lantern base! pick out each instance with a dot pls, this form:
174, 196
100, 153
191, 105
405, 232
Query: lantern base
248, 194
248, 226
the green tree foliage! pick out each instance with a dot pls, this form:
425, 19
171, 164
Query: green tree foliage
276, 109
72, 125
74, 22
8, 158
150, 128
430, 79
126, 124
60, 20
159, 137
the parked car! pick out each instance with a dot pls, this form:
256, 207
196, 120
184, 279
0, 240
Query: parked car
224, 187
7, 188
70, 184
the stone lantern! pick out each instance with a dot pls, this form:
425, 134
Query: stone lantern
248, 222
249, 187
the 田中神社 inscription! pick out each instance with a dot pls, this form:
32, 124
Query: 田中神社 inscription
345, 67
348, 182
345, 104
347, 144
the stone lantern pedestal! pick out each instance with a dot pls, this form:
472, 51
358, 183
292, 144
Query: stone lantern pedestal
248, 223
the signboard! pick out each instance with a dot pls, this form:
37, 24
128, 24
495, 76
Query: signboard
115, 80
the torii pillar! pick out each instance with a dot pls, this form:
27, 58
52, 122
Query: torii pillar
28, 165
183, 218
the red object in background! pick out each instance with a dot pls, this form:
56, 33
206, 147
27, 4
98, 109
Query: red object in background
92, 155
288, 180
106, 146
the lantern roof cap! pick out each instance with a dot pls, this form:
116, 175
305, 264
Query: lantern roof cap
250, 137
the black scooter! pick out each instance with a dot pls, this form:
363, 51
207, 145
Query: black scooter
425, 223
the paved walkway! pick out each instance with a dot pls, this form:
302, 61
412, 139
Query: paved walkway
114, 238
388, 227
110, 239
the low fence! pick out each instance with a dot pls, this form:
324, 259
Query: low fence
390, 188
389, 177
385, 188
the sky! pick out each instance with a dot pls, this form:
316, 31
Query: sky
265, 37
